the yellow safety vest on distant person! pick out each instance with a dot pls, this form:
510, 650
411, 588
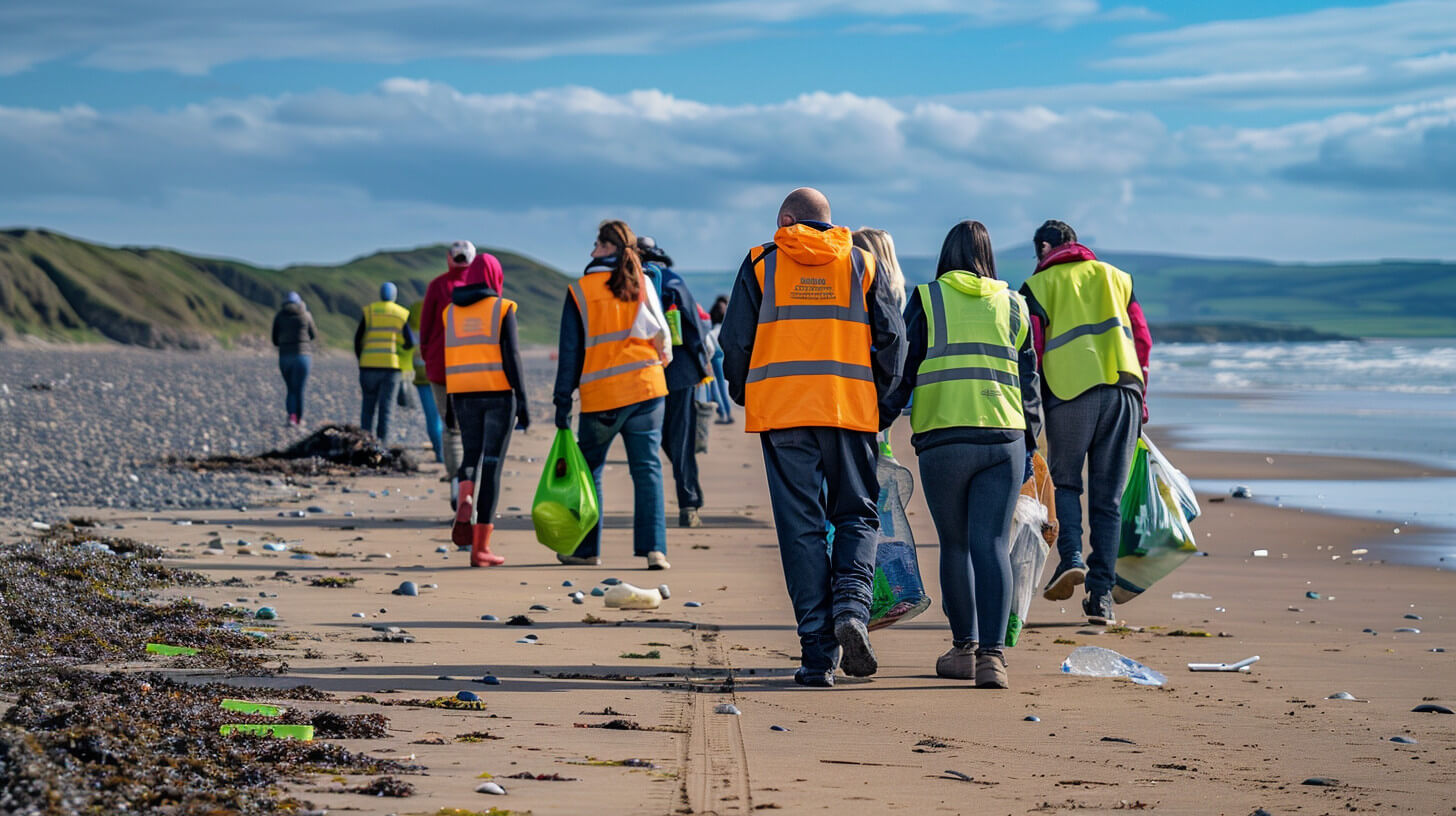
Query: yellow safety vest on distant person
1088, 334
384, 324
971, 376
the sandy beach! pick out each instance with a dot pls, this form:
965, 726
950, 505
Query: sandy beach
1206, 743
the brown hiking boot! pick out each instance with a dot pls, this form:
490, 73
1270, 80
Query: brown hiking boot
959, 663
991, 671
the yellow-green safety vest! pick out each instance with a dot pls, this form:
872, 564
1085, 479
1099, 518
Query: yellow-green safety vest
1088, 334
971, 374
384, 324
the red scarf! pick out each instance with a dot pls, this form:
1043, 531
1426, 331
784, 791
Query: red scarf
1066, 253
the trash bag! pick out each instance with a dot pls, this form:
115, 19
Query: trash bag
898, 590
1157, 505
566, 507
1040, 487
702, 423
1029, 550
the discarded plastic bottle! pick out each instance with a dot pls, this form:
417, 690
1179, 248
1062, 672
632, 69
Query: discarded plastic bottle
626, 596
1095, 661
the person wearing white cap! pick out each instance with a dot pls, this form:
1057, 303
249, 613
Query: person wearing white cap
432, 346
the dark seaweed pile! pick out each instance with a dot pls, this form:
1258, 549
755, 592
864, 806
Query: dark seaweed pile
80, 742
331, 449
64, 604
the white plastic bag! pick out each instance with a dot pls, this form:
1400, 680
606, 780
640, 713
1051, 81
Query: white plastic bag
1028, 557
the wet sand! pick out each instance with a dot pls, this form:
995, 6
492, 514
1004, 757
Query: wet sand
1205, 743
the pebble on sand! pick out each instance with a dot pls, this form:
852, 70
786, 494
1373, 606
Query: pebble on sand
275, 546
692, 604
490, 788
442, 549
359, 615
1403, 740
1342, 695
598, 592
1031, 718
467, 696
407, 588
777, 728
666, 593
539, 608
266, 613
566, 583
611, 581
489, 618
490, 680
1410, 630
726, 708
1429, 708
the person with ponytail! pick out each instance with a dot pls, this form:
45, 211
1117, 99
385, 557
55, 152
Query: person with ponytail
614, 346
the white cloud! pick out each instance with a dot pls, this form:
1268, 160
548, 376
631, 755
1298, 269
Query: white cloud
360, 169
194, 37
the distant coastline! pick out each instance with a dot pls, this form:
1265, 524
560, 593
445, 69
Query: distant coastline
1233, 332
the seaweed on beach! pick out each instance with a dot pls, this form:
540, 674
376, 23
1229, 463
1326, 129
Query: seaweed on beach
71, 597
330, 450
84, 742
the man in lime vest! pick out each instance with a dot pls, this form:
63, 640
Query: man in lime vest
812, 344
1093, 344
381, 342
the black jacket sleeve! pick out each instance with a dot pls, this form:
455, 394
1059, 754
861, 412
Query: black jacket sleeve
409, 337
740, 327
359, 339
570, 354
312, 327
511, 362
915, 343
1030, 390
887, 330
277, 318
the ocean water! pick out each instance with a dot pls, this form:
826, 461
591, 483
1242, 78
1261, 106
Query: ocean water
1380, 399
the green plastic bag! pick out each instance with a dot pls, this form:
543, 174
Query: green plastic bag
565, 508
1157, 506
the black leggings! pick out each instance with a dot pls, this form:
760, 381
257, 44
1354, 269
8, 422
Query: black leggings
486, 420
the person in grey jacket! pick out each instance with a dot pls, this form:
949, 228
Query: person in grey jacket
293, 333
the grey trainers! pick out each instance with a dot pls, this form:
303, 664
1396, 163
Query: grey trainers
858, 659
657, 561
575, 561
688, 517
1099, 609
959, 663
991, 670
1065, 581
805, 676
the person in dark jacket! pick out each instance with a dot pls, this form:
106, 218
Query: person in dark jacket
976, 417
689, 367
487, 397
293, 333
718, 388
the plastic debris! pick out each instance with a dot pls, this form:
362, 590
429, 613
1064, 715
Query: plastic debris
626, 596
1241, 666
1031, 718
1191, 596
256, 709
274, 546
664, 591
1260, 553
1095, 661
168, 650
1410, 630
1344, 695
726, 708
407, 588
1241, 492
490, 788
1403, 740
303, 733
1313, 596
777, 728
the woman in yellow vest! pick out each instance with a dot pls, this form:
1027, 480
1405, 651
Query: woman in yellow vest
380, 344
487, 397
976, 414
614, 345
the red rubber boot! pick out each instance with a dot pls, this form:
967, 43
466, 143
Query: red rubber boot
480, 554
464, 508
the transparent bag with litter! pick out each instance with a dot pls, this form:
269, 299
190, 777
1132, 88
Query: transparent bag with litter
898, 590
1157, 505
1028, 556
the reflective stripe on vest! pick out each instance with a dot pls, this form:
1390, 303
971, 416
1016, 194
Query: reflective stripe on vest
384, 324
970, 377
473, 357
1088, 333
811, 361
617, 369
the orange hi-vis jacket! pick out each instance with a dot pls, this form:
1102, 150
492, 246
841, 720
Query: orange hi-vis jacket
618, 369
811, 353
473, 360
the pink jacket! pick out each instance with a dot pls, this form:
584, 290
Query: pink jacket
437, 297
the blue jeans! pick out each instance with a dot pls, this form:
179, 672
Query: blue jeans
824, 582
719, 388
294, 368
679, 442
972, 490
380, 387
640, 426
434, 426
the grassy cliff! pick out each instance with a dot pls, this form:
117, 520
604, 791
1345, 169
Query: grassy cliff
59, 288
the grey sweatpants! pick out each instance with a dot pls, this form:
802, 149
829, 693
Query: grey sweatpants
453, 452
1101, 428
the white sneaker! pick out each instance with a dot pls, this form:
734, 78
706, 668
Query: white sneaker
575, 561
657, 561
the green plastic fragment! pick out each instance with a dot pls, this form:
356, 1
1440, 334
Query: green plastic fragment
298, 732
257, 709
169, 650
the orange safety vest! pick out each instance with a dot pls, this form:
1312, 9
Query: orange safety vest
618, 369
811, 353
473, 359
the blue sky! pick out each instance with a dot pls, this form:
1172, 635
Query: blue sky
317, 131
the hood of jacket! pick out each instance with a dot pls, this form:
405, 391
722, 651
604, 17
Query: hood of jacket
971, 283
484, 269
293, 308
809, 246
472, 293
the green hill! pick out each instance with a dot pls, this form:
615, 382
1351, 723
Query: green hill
59, 288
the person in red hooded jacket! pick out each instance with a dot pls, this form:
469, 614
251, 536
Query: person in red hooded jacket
432, 343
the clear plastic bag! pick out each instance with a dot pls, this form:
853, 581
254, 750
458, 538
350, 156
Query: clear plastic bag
1028, 557
1157, 505
898, 590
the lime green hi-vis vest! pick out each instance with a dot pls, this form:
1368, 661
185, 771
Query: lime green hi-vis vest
971, 374
384, 324
1089, 334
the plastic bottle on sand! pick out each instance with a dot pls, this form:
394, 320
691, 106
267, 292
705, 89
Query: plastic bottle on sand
1095, 661
626, 596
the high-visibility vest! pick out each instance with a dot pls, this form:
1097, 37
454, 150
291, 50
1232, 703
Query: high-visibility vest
618, 369
416, 362
971, 374
811, 352
1089, 333
384, 324
473, 360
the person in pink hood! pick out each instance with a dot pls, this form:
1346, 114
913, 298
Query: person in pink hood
432, 337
